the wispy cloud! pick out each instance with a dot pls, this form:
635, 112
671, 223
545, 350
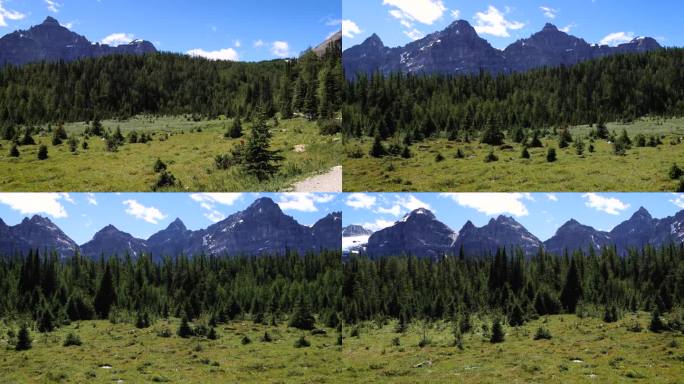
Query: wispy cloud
53, 6
149, 214
36, 203
609, 205
226, 54
350, 29
118, 38
280, 49
209, 201
549, 12
616, 38
303, 202
493, 203
8, 14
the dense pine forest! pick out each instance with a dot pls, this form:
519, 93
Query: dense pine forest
515, 288
414, 107
119, 87
42, 289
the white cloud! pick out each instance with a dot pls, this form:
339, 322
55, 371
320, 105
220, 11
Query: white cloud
492, 203
118, 39
455, 13
414, 34
609, 205
411, 203
228, 54
280, 49
360, 200
237, 43
549, 12
9, 14
492, 22
350, 29
422, 11
678, 200
401, 204
259, 43
150, 214
303, 202
568, 27
394, 210
90, 197
68, 198
552, 196
52, 5
68, 25
377, 224
35, 203
208, 201
616, 38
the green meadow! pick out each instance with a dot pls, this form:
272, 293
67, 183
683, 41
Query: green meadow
187, 147
580, 350
642, 169
122, 353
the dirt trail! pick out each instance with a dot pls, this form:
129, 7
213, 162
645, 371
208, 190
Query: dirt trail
327, 182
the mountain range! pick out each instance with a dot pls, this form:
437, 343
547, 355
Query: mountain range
262, 228
459, 50
51, 41
421, 234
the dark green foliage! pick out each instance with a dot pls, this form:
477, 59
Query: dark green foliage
602, 131
635, 327
122, 86
517, 316
491, 157
42, 152
59, 135
460, 154
680, 186
657, 324
259, 160
132, 137
14, 151
591, 148
159, 166
525, 154
142, 320
378, 150
106, 294
84, 145
498, 334
184, 329
406, 152
492, 135
579, 147
329, 127
439, 158
235, 130
302, 342
72, 340
675, 172
302, 317
572, 290
535, 142
23, 339
611, 314
165, 180
564, 138
245, 340
27, 139
396, 342
542, 334
46, 320
551, 155
73, 144
266, 338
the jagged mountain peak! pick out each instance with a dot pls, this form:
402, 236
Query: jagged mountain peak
420, 213
550, 27
642, 213
177, 224
461, 27
50, 21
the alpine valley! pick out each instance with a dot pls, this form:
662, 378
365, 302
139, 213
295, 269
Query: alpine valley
421, 234
262, 228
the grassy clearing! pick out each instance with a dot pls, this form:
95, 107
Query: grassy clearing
641, 169
580, 351
187, 147
112, 353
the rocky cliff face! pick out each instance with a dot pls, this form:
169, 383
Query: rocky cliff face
504, 232
419, 233
355, 230
35, 233
50, 41
109, 241
333, 42
572, 236
459, 50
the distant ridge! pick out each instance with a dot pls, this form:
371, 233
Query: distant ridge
459, 50
50, 41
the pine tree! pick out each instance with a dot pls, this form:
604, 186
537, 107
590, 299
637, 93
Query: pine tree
184, 329
42, 152
525, 154
27, 139
657, 324
498, 334
675, 172
302, 317
106, 294
96, 127
492, 135
23, 339
14, 151
378, 150
572, 290
551, 155
259, 160
235, 130
535, 143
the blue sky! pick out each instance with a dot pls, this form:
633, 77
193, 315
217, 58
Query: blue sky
540, 213
397, 22
80, 215
246, 30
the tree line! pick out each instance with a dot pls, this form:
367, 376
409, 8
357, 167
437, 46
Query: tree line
514, 287
122, 86
412, 107
41, 288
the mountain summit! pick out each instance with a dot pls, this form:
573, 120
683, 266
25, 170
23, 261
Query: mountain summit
51, 41
459, 50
